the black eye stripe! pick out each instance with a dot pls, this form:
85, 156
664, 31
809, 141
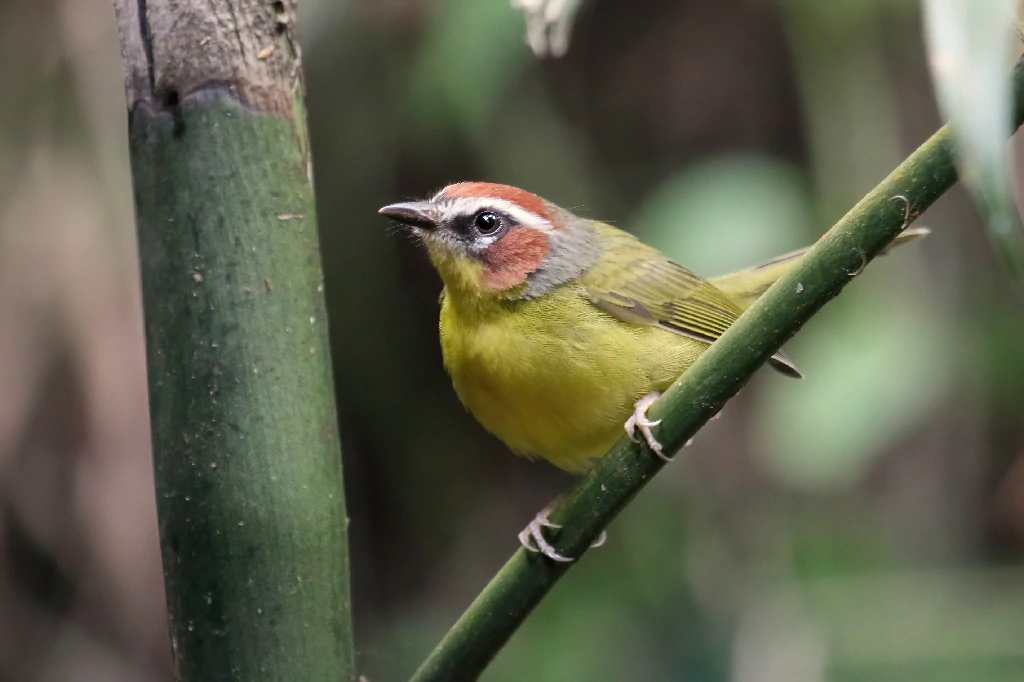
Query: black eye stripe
467, 227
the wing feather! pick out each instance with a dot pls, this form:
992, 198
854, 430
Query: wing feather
639, 285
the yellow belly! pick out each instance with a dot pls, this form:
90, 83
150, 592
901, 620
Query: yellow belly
554, 377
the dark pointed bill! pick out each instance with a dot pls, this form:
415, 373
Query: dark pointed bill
421, 214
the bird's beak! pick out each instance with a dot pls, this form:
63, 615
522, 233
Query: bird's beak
422, 214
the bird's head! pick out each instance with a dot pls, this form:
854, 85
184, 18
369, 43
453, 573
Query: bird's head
495, 240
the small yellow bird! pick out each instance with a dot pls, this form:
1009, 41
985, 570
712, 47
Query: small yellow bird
559, 331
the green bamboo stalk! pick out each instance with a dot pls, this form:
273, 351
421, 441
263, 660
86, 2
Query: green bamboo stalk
244, 429
838, 257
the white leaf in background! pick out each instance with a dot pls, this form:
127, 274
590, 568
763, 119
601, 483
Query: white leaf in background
969, 49
548, 24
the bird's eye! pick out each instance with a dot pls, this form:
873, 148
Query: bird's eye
486, 222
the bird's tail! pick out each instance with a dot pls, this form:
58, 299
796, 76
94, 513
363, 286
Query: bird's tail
745, 286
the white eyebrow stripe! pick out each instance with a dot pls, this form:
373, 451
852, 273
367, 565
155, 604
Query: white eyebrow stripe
460, 206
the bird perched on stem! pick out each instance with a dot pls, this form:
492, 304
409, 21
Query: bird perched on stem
559, 331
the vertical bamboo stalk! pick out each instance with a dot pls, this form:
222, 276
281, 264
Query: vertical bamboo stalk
245, 442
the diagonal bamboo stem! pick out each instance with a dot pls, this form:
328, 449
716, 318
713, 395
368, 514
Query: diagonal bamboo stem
698, 395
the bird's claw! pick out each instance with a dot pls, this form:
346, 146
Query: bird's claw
532, 537
638, 421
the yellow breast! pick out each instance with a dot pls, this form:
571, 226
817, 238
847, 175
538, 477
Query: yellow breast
554, 377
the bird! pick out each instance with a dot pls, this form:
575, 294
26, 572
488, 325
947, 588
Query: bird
559, 332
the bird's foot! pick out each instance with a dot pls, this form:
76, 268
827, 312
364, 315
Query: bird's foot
639, 422
532, 537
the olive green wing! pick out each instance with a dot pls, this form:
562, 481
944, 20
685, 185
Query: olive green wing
638, 284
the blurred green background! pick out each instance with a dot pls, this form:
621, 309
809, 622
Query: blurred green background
866, 523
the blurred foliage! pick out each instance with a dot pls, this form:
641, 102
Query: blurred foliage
727, 213
471, 53
865, 523
873, 372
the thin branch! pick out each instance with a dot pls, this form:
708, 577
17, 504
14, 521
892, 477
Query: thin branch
697, 396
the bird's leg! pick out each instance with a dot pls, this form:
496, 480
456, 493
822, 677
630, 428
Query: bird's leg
639, 421
532, 537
